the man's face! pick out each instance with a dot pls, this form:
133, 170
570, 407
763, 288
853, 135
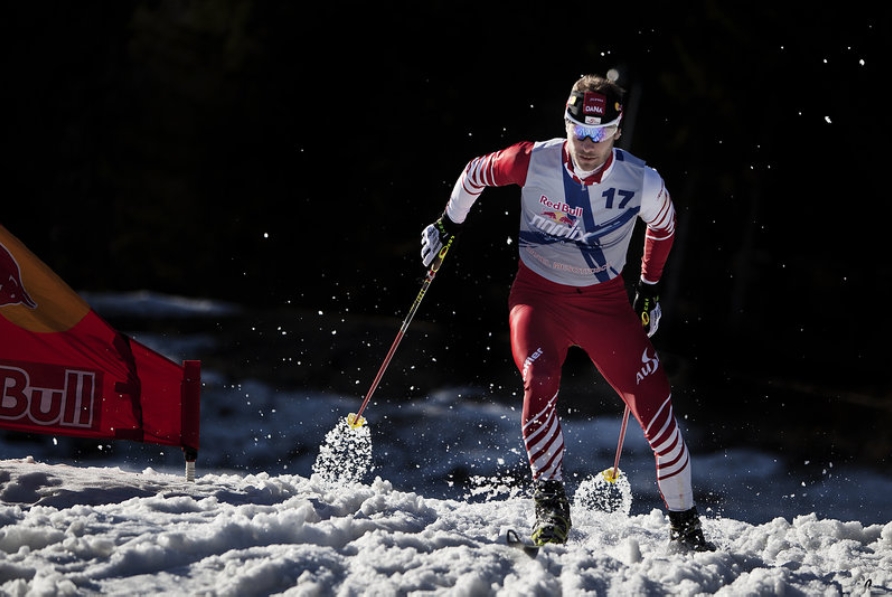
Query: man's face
587, 153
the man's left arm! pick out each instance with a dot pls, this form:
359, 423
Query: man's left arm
658, 213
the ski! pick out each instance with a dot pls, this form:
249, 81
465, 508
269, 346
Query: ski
513, 539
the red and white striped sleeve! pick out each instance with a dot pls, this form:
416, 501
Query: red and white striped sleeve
658, 212
497, 169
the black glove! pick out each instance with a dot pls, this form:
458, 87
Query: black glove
647, 306
436, 236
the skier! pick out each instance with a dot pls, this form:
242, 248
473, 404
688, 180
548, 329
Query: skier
580, 200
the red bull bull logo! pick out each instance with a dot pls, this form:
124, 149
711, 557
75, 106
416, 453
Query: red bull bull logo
558, 217
31, 295
12, 291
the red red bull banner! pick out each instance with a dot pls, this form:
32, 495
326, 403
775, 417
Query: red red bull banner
64, 370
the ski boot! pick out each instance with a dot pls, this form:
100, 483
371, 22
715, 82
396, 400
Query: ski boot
686, 533
552, 513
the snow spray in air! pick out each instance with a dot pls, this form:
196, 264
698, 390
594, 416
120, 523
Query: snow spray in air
346, 454
605, 493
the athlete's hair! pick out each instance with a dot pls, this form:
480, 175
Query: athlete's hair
614, 92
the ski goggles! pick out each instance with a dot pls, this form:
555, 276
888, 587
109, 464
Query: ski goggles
595, 133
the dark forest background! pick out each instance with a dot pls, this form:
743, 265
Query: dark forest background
287, 158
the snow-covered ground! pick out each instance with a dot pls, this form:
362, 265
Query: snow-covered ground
447, 479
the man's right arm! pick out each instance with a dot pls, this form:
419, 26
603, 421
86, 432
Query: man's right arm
497, 169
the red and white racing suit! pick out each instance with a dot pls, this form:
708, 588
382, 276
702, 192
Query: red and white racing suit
568, 291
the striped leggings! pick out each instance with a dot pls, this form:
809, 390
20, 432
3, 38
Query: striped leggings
545, 320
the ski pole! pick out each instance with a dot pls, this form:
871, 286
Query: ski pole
356, 419
610, 474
